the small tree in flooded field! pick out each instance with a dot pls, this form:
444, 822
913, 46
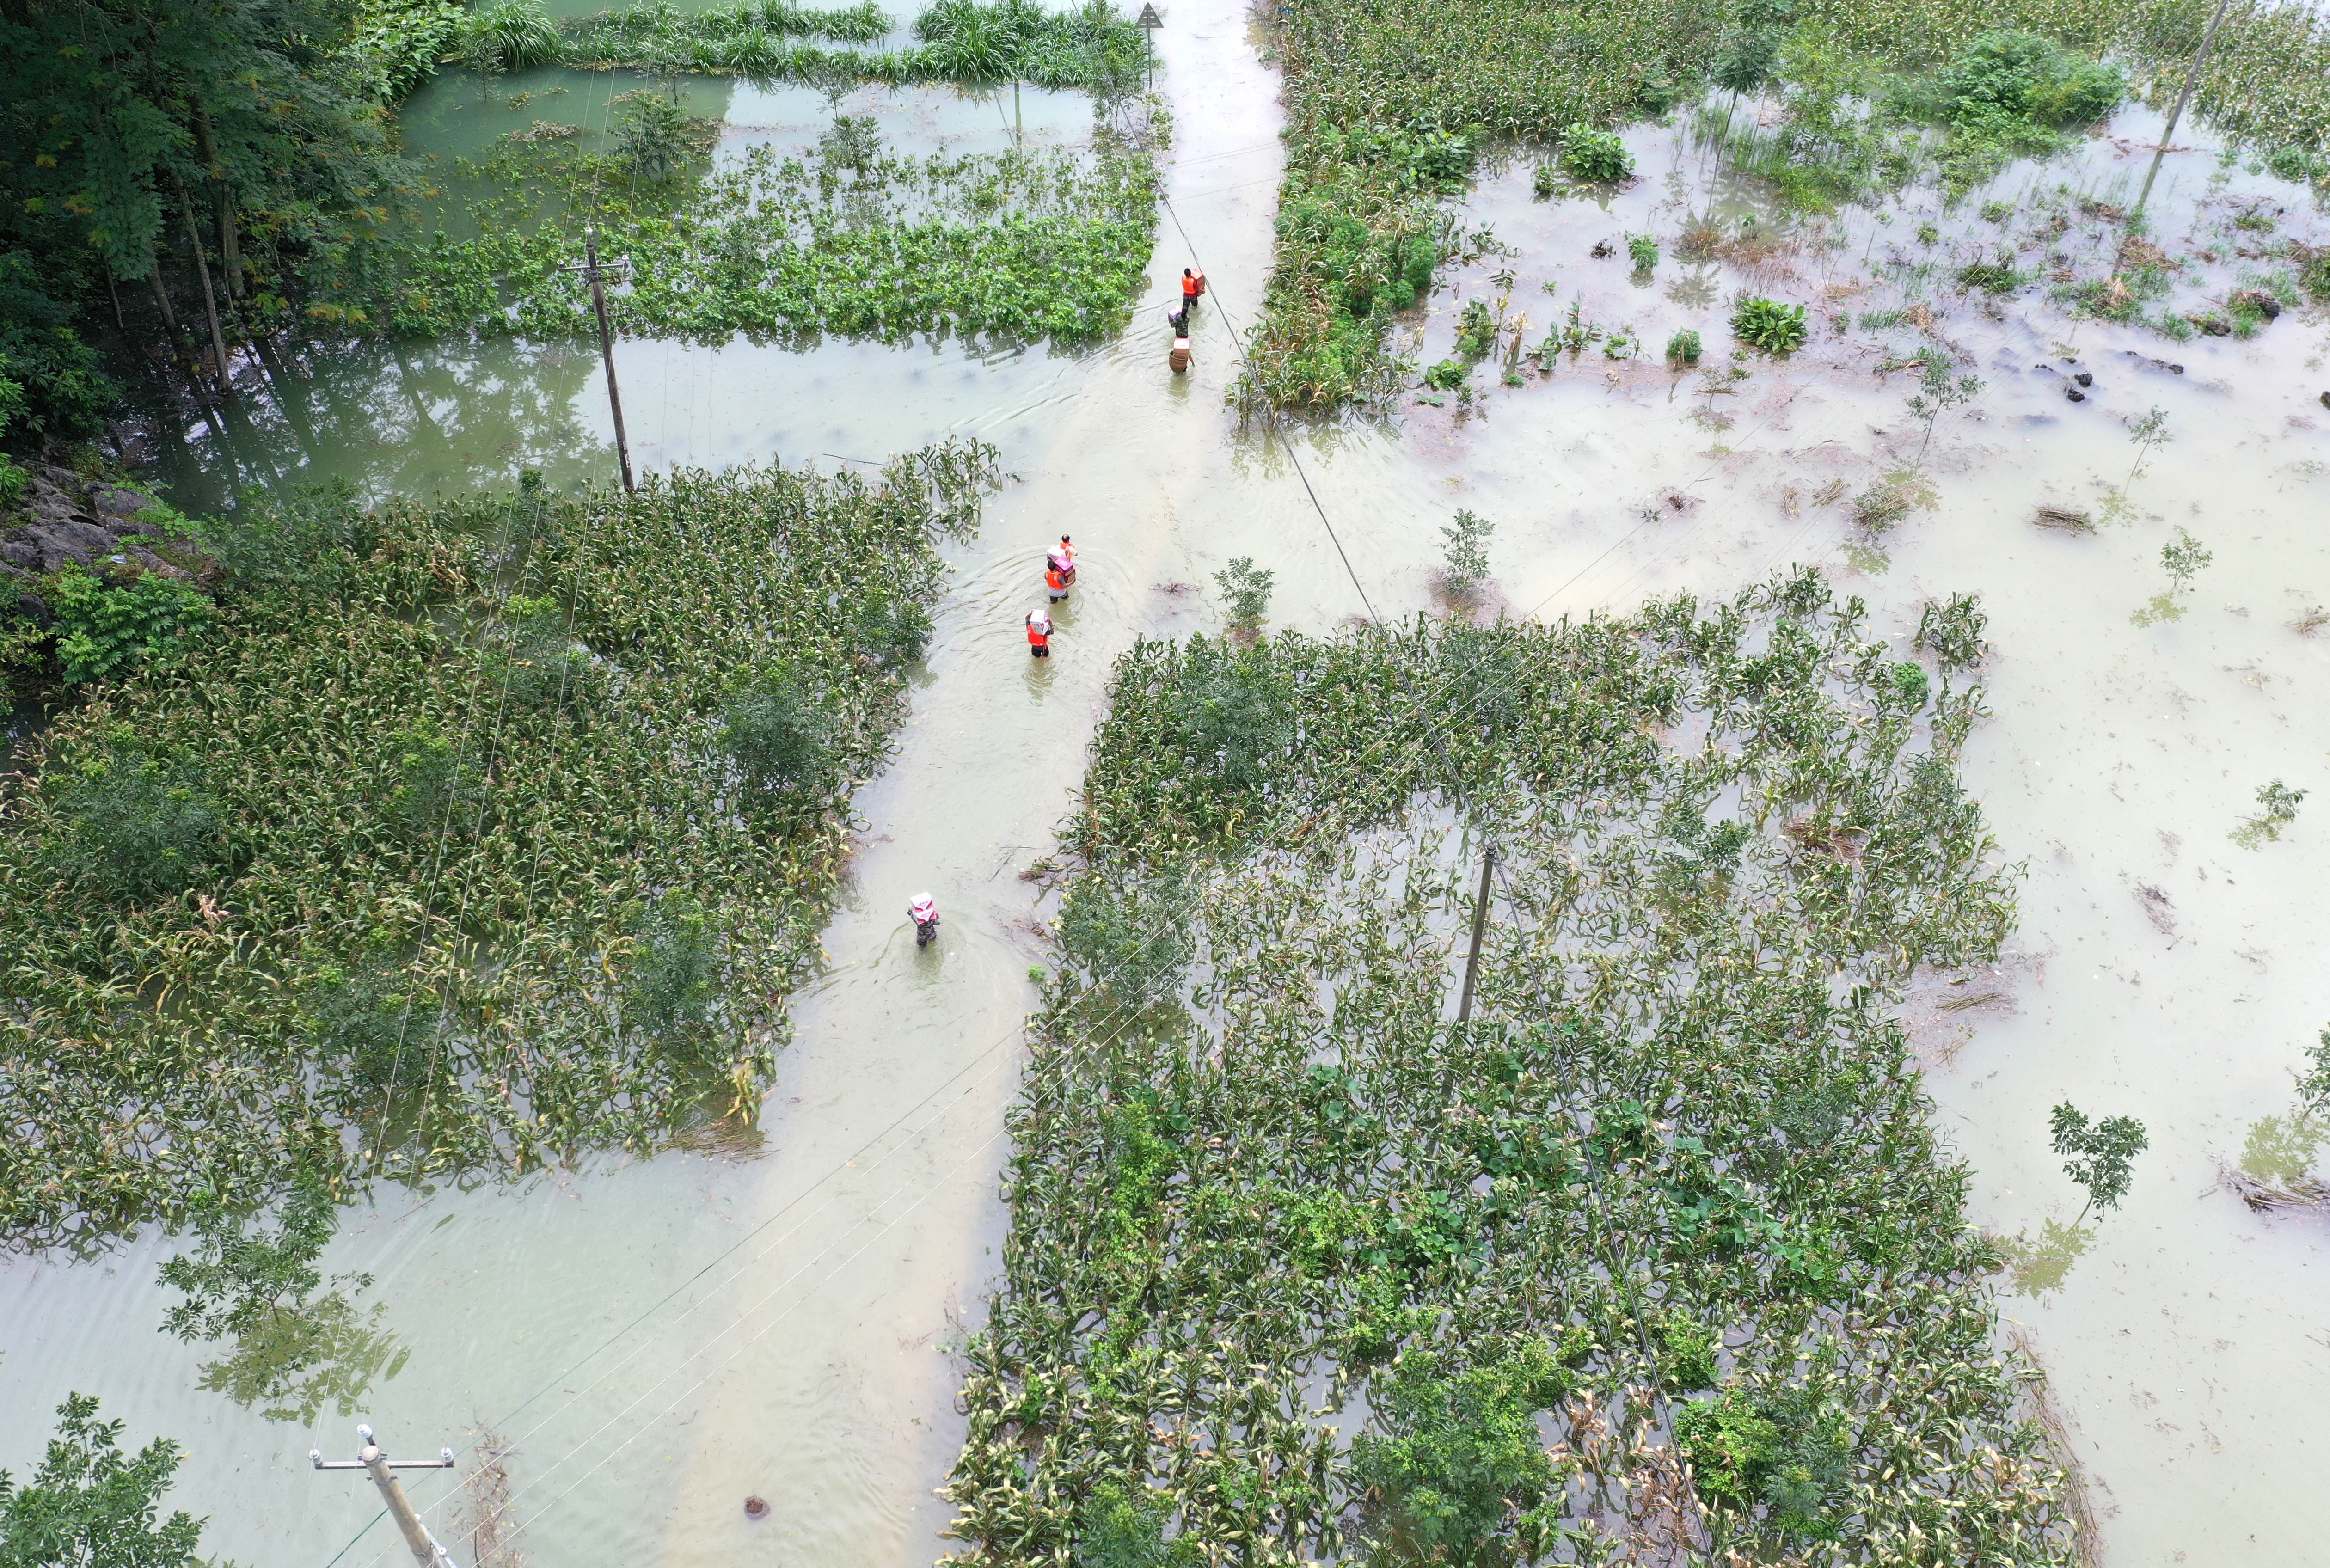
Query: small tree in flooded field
1245, 595
2185, 558
2099, 1155
1938, 391
2147, 433
1466, 553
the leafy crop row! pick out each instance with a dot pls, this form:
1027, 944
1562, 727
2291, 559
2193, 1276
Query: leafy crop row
475, 835
1657, 1258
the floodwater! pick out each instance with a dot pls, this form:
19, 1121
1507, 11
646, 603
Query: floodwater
656, 1340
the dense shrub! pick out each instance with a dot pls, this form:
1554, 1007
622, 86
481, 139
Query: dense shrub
106, 629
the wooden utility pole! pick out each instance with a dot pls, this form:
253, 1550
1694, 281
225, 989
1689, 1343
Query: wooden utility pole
1480, 928
425, 1550
591, 270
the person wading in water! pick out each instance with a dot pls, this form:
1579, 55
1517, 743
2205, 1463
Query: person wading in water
1039, 635
925, 911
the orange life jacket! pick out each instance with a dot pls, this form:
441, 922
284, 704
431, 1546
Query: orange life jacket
1054, 580
1192, 285
1039, 634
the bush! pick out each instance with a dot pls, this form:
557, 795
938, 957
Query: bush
780, 736
434, 792
106, 629
1246, 593
367, 1028
1131, 935
674, 966
1683, 347
1644, 251
1461, 1473
1123, 1526
1769, 325
136, 825
1598, 156
1466, 552
1787, 1451
1911, 685
655, 138
2008, 75
2295, 163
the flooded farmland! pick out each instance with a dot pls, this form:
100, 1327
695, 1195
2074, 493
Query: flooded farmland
782, 1313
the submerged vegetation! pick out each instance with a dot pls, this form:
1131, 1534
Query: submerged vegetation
469, 842
848, 240
1390, 108
1657, 1256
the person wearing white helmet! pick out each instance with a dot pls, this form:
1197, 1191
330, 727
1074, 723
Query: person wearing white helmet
925, 911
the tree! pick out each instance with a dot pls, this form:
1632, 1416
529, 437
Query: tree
2099, 1154
1466, 554
1246, 593
89, 1505
1937, 393
222, 141
1460, 1475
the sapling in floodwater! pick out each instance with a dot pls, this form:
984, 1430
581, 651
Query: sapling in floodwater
1644, 251
2147, 433
1245, 594
2184, 557
1683, 348
2314, 1084
1466, 554
1938, 391
2098, 1156
2277, 809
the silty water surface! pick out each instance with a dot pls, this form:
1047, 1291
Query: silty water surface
2161, 971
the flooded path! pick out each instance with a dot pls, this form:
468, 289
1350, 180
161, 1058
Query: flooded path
657, 1340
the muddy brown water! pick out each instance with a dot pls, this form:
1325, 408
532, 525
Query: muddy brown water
658, 1339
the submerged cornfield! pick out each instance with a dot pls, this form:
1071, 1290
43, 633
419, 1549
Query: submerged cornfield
848, 240
472, 837
1390, 108
1656, 1258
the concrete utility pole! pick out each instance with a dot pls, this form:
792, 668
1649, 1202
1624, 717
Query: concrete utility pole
1480, 928
426, 1552
2191, 82
591, 270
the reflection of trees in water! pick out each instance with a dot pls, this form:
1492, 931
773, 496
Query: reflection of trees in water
297, 1359
392, 419
295, 1352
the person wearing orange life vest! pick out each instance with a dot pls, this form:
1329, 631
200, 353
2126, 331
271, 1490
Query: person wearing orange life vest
1056, 583
1062, 559
924, 912
1039, 635
1193, 283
